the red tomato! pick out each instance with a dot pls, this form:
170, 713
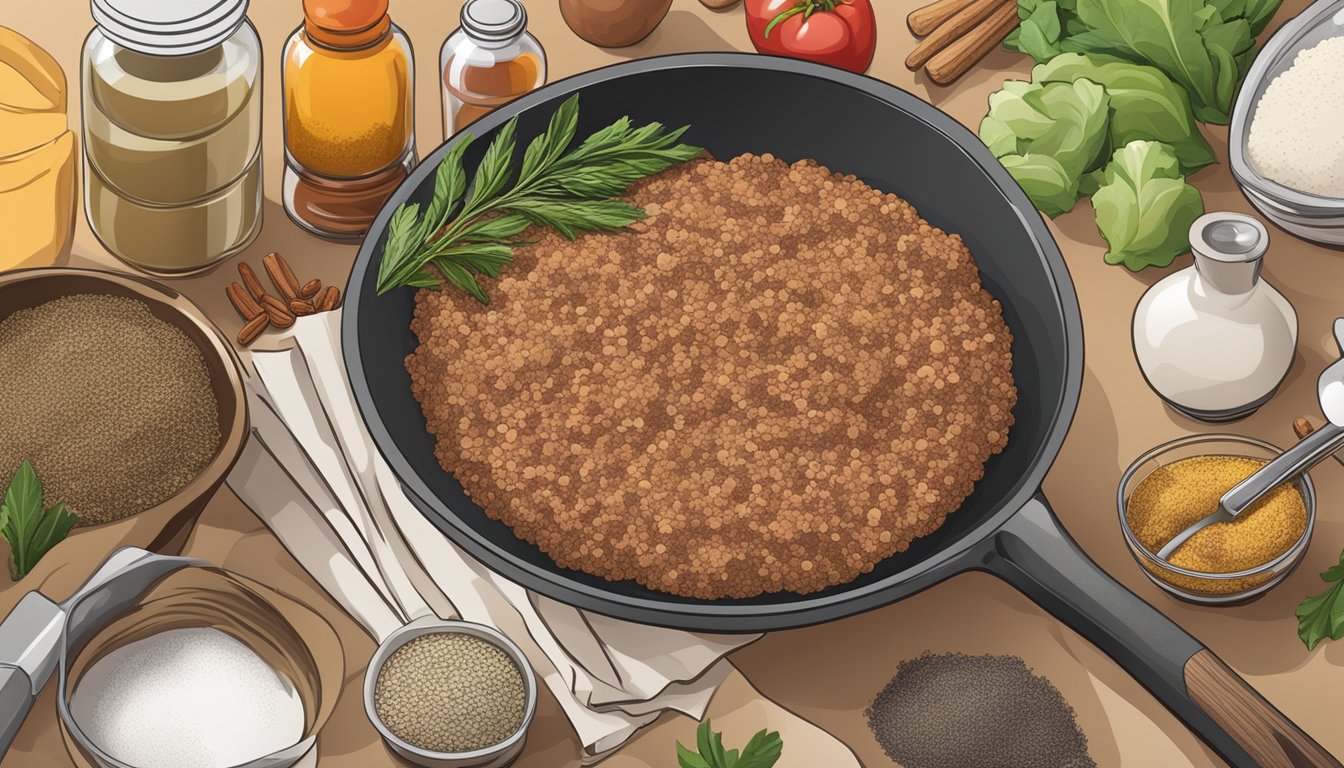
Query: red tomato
841, 33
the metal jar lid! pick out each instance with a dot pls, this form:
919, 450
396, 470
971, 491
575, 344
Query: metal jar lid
494, 21
169, 27
1229, 249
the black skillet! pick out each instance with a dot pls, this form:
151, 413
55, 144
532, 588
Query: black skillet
739, 103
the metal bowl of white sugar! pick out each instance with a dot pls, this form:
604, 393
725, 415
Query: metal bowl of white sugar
207, 670
1285, 145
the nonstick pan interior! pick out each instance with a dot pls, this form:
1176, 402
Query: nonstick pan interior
736, 104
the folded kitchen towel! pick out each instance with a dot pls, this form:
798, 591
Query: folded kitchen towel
310, 471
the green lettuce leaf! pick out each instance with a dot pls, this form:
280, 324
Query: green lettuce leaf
1039, 31
1202, 45
1051, 188
1144, 207
1145, 103
1048, 136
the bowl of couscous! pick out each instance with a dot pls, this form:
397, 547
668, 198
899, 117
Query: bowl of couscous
1177, 484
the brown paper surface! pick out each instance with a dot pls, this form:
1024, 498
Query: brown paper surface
827, 674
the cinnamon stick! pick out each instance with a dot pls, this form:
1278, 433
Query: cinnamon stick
952, 30
925, 19
953, 61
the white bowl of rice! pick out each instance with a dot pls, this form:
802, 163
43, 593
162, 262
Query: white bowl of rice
1285, 145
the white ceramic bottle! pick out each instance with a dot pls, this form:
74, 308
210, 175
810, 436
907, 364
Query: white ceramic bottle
1214, 340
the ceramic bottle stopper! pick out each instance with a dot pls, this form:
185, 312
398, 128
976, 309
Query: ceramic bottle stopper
1214, 340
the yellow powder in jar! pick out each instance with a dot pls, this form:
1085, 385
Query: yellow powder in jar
1179, 494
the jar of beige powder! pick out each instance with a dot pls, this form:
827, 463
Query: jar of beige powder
172, 131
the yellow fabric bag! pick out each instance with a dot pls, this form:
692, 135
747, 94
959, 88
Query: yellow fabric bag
37, 156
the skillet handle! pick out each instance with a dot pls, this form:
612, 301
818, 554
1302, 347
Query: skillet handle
1034, 554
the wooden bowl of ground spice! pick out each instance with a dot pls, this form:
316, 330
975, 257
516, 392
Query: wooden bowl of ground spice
124, 398
1178, 483
451, 694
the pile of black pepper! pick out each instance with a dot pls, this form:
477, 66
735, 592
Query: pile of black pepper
952, 710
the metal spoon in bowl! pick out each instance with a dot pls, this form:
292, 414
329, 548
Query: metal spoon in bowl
1309, 452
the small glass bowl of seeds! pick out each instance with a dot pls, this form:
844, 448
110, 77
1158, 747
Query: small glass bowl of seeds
1179, 483
451, 694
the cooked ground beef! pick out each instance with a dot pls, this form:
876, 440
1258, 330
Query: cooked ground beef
778, 379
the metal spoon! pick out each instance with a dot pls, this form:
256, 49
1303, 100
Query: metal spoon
1309, 452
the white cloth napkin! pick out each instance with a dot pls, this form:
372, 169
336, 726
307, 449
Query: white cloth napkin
310, 471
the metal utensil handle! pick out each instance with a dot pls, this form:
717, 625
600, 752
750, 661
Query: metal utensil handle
16, 700
1309, 452
1170, 547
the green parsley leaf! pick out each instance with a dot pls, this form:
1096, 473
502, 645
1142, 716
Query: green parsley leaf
762, 751
569, 190
30, 530
1322, 616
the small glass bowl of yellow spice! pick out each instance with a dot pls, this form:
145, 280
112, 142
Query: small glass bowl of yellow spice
1174, 485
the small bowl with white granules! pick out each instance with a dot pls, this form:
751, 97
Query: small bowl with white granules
451, 694
1284, 144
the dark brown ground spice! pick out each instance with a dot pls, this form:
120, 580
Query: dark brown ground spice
782, 378
112, 405
956, 711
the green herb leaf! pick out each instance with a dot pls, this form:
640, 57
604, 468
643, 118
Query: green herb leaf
688, 759
496, 167
30, 530
762, 751
569, 218
495, 228
450, 182
710, 743
549, 146
566, 189
1322, 616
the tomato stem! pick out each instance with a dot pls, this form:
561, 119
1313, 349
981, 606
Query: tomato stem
805, 7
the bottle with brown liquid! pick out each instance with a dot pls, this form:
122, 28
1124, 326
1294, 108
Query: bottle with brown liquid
489, 61
349, 115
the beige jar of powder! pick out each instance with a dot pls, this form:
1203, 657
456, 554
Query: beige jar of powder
172, 132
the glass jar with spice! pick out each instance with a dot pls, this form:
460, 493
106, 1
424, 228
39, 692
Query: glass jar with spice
487, 62
349, 115
172, 131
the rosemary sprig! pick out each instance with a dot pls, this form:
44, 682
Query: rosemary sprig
470, 230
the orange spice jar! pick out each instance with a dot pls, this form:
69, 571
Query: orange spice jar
487, 62
349, 115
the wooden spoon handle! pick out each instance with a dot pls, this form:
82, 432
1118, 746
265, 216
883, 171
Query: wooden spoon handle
952, 29
1269, 737
953, 61
925, 19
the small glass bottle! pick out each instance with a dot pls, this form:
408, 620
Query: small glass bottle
349, 116
171, 96
487, 62
1214, 340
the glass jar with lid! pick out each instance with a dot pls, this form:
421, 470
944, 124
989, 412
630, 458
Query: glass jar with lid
349, 115
488, 61
171, 100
